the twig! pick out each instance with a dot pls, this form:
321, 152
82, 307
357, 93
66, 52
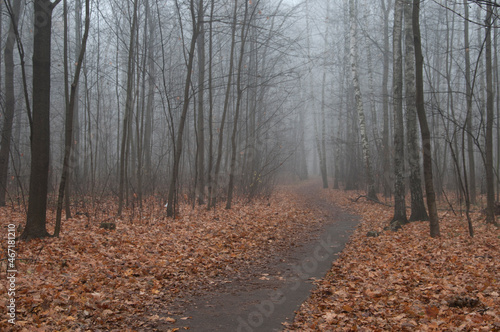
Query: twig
370, 199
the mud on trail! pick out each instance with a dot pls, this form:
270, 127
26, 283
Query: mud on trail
276, 286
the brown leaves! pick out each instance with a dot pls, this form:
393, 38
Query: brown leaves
103, 279
407, 281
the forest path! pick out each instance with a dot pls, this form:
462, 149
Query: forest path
263, 304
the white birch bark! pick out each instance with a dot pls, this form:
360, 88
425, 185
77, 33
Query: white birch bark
371, 194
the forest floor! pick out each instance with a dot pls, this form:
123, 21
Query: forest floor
406, 280
154, 273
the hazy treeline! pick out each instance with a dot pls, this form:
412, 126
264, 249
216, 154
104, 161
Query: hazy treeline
207, 100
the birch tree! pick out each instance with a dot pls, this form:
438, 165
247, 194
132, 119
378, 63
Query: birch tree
371, 193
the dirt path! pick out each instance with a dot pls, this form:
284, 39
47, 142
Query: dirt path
264, 303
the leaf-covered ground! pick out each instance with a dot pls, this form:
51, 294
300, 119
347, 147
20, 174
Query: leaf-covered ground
105, 280
407, 281
91, 279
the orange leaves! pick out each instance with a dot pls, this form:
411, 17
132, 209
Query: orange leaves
405, 281
97, 279
347, 308
432, 311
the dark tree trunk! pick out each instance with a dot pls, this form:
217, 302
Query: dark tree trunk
468, 92
178, 147
424, 127
10, 103
490, 178
418, 210
213, 196
399, 187
127, 117
211, 107
239, 92
201, 100
40, 130
386, 182
68, 139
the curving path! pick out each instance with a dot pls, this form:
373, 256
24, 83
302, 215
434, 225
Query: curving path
265, 303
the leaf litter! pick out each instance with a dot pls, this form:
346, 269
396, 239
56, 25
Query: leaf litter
119, 280
406, 280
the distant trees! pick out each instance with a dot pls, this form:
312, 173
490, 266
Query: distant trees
209, 101
14, 11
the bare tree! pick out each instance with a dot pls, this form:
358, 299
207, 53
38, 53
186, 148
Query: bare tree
10, 103
418, 211
201, 101
185, 106
127, 117
40, 126
371, 193
468, 92
225, 108
68, 140
386, 8
424, 127
397, 83
490, 178
239, 94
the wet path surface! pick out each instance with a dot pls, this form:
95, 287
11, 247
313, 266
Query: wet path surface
264, 303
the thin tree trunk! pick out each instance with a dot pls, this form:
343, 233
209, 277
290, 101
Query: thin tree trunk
10, 103
74, 158
424, 127
226, 106
418, 211
371, 194
68, 140
397, 82
211, 107
126, 132
148, 131
322, 146
468, 92
239, 94
178, 149
490, 177
386, 8
201, 100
